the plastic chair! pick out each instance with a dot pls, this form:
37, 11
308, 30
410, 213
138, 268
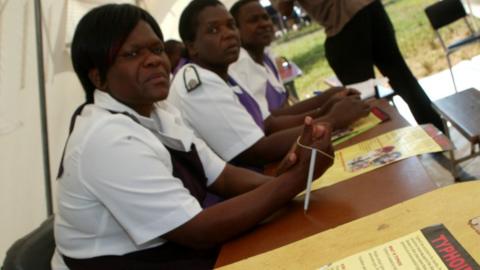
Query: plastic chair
33, 251
443, 13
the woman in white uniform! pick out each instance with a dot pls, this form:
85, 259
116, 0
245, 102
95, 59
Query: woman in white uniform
256, 66
134, 178
262, 80
220, 109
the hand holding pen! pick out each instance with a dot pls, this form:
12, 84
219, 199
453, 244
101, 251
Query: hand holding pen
313, 151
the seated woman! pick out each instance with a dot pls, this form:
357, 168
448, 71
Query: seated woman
221, 110
256, 68
175, 51
133, 178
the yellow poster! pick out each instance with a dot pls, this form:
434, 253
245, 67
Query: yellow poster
409, 252
430, 248
377, 152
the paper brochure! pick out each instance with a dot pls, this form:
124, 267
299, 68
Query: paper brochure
377, 152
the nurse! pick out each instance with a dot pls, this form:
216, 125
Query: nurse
133, 178
256, 68
220, 109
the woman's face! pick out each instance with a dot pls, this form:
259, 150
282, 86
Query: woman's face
217, 41
256, 27
139, 75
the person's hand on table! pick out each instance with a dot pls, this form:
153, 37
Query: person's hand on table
314, 135
346, 111
335, 94
346, 92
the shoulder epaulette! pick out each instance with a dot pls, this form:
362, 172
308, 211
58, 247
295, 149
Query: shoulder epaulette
190, 78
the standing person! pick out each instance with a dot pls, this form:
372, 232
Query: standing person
134, 178
359, 37
256, 66
221, 110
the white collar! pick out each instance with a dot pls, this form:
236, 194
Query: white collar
164, 122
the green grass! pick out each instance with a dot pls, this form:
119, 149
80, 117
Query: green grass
415, 37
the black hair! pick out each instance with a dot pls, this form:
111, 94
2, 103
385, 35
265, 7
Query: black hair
172, 46
235, 9
99, 36
189, 19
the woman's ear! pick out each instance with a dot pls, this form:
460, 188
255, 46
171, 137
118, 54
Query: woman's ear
94, 76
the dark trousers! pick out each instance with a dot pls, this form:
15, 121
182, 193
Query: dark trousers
368, 40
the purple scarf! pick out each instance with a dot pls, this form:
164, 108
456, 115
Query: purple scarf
183, 61
275, 98
249, 104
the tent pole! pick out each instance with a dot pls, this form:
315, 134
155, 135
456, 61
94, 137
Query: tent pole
43, 108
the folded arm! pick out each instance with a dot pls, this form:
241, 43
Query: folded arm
263, 196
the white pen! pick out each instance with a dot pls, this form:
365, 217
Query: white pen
311, 170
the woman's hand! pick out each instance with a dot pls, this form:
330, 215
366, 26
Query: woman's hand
317, 136
334, 95
346, 111
346, 92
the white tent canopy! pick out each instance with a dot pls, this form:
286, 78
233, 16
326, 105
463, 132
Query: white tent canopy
22, 190
167, 13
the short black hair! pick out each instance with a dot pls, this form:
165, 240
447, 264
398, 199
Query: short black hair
189, 19
99, 36
172, 46
235, 9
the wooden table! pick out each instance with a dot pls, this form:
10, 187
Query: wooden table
337, 204
454, 206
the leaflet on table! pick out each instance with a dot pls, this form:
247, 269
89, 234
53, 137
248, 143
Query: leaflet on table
375, 117
380, 151
367, 88
430, 248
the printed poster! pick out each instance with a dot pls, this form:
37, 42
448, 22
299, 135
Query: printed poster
380, 151
430, 248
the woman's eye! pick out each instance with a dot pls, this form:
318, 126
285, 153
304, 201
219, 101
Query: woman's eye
212, 30
130, 54
157, 50
232, 25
